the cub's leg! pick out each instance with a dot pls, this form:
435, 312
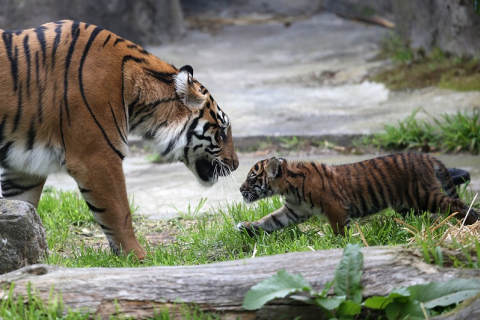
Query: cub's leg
22, 186
278, 219
102, 184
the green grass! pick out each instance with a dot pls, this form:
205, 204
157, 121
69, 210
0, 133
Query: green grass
206, 238
457, 132
413, 70
192, 240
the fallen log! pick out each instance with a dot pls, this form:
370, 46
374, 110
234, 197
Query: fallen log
221, 287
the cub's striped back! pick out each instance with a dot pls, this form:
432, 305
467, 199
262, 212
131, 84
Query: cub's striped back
400, 181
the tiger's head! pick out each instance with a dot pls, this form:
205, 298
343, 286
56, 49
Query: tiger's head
263, 180
204, 143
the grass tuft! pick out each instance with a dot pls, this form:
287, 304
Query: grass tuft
457, 132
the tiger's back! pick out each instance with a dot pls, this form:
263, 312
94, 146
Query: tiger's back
401, 181
54, 75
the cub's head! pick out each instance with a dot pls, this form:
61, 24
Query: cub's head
205, 141
263, 180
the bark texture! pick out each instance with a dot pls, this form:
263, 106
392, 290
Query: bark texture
221, 287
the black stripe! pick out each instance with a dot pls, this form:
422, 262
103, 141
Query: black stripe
104, 228
16, 121
319, 174
56, 41
190, 133
61, 130
26, 49
7, 37
124, 61
379, 185
277, 222
40, 88
118, 40
296, 218
122, 135
93, 35
95, 209
106, 40
83, 190
32, 133
126, 219
131, 106
4, 154
75, 30
165, 77
11, 189
2, 128
40, 31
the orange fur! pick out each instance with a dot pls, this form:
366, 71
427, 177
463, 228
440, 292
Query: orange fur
73, 92
401, 181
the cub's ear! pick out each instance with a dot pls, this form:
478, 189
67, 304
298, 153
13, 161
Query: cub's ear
274, 169
185, 88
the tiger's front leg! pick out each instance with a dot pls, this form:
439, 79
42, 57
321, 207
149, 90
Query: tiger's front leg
276, 220
102, 185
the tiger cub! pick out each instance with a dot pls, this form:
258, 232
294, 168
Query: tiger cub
399, 181
72, 93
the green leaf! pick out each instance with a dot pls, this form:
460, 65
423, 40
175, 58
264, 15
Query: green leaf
378, 302
278, 286
349, 273
349, 308
331, 303
443, 294
410, 310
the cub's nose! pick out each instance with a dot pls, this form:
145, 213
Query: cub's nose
243, 187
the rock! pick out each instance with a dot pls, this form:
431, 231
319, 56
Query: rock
141, 21
22, 235
450, 25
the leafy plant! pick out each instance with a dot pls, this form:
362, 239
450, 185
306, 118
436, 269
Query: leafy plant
347, 298
412, 302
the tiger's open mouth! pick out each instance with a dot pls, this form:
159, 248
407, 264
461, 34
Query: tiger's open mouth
209, 171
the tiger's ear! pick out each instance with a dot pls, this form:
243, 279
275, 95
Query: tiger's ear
185, 88
273, 168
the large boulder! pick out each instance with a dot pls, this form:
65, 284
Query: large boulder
141, 21
450, 25
22, 235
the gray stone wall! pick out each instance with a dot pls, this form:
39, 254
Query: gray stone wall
450, 25
241, 7
141, 21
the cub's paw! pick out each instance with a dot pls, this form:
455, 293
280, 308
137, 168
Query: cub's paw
250, 227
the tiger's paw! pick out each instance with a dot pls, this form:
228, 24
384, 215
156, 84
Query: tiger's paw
249, 227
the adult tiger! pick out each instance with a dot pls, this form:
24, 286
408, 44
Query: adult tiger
401, 181
71, 94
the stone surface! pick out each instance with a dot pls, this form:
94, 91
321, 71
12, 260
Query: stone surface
22, 235
241, 7
451, 25
361, 7
141, 21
